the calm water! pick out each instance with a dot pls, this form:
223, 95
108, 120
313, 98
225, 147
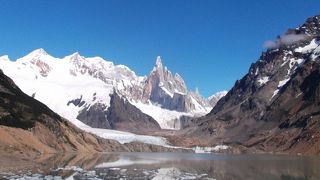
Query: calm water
172, 166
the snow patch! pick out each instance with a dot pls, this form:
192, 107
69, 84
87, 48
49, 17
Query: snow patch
283, 82
199, 149
167, 91
263, 80
274, 93
280, 85
179, 92
308, 48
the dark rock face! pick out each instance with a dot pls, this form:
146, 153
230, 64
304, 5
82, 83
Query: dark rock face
124, 116
275, 106
177, 102
121, 115
77, 102
95, 116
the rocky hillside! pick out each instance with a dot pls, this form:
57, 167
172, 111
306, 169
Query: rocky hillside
275, 106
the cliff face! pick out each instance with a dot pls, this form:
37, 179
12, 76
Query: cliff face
121, 115
169, 91
275, 106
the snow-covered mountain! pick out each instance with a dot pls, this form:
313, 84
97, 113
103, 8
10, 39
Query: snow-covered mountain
216, 97
32, 128
81, 88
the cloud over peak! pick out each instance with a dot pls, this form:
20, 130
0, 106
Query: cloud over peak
287, 39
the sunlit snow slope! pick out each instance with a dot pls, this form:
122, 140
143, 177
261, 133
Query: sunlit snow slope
60, 82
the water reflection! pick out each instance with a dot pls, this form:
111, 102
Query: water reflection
172, 166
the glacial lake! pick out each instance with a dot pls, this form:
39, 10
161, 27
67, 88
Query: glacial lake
170, 166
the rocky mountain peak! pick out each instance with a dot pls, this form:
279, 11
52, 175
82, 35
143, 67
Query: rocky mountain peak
79, 62
170, 91
35, 55
76, 57
159, 62
40, 51
270, 107
296, 37
157, 73
311, 27
40, 60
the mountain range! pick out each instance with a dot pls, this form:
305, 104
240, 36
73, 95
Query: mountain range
104, 95
275, 107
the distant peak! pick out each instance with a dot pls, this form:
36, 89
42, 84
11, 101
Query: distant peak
75, 54
4, 58
218, 94
35, 55
159, 62
75, 57
38, 52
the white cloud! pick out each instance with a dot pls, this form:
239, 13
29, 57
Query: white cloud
284, 40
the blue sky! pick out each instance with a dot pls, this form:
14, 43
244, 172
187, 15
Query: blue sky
210, 43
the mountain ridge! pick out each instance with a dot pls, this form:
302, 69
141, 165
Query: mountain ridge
74, 77
273, 108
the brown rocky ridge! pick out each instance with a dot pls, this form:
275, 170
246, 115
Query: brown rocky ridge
275, 107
